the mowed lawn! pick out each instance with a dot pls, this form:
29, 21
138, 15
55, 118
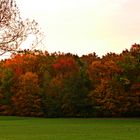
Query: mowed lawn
22, 128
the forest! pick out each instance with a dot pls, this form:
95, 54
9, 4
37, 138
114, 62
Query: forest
42, 84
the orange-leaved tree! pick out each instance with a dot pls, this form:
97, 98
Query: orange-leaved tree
27, 99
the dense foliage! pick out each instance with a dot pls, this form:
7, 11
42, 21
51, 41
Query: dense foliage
35, 83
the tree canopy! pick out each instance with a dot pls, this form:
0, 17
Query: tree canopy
36, 83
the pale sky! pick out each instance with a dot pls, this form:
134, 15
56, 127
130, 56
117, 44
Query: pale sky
85, 26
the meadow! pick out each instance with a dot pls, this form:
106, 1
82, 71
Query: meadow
26, 128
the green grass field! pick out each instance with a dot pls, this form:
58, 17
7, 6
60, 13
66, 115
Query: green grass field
22, 128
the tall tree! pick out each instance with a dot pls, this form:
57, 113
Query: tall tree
6, 85
27, 100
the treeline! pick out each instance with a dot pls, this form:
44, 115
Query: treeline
35, 83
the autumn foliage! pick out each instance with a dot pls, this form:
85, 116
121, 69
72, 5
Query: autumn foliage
35, 83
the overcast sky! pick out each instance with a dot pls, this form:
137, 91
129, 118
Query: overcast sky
85, 26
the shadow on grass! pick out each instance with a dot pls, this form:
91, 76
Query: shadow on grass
11, 118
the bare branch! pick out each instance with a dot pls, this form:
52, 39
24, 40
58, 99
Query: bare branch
13, 30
